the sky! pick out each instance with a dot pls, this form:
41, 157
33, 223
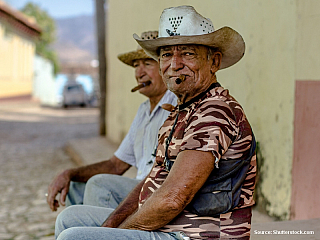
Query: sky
59, 8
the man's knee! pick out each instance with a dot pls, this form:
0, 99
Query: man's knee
107, 190
64, 220
66, 216
101, 180
97, 185
97, 180
97, 190
101, 183
69, 234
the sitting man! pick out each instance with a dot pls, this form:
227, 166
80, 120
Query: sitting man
100, 184
202, 182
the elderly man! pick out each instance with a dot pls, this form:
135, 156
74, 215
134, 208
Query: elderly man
100, 184
201, 185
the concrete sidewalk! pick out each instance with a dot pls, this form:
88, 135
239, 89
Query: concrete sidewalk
91, 150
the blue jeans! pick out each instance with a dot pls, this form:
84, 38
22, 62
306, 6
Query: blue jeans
81, 222
102, 190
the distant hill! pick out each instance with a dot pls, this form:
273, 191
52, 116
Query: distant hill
76, 39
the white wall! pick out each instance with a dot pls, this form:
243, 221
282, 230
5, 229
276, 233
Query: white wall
44, 87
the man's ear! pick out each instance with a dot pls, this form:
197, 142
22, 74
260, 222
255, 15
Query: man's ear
216, 61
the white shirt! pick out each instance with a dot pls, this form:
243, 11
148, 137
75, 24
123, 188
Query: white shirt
140, 142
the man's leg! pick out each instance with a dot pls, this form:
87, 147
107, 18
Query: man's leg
107, 190
81, 216
83, 222
75, 194
102, 233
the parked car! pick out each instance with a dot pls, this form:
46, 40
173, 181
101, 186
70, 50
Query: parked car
74, 95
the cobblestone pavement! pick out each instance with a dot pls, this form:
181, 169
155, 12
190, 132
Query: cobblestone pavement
32, 141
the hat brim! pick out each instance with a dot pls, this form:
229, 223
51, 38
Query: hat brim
227, 40
129, 57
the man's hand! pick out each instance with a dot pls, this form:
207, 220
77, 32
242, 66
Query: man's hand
60, 184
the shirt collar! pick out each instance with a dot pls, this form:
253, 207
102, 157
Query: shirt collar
198, 97
168, 97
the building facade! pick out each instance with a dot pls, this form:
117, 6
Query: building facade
18, 34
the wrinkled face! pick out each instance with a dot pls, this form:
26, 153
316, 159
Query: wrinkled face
148, 69
191, 61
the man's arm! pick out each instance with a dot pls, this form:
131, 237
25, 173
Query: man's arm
189, 172
112, 166
60, 183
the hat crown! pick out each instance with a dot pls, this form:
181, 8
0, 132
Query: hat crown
129, 57
183, 21
149, 35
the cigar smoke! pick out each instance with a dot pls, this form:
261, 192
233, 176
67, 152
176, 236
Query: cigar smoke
141, 85
180, 79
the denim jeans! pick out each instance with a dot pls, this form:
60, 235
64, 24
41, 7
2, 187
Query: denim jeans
81, 222
102, 190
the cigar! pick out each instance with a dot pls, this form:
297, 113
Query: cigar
180, 79
141, 85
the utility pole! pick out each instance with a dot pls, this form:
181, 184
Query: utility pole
101, 42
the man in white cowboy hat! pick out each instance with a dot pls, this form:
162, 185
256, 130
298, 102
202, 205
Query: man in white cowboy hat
101, 184
202, 182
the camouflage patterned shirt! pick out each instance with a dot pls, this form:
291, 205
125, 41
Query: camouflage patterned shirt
213, 121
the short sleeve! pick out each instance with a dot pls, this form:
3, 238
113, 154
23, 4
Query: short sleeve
211, 127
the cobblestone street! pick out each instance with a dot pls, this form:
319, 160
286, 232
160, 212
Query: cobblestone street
32, 141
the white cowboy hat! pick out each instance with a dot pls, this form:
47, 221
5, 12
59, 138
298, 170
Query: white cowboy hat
184, 25
129, 57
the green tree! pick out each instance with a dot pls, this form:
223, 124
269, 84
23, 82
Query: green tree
48, 35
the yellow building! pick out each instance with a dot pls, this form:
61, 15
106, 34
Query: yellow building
281, 59
17, 49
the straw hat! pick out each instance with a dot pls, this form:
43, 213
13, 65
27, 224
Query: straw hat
129, 57
184, 25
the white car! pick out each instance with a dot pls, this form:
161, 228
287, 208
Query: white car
74, 95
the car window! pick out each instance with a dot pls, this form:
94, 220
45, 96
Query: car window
73, 88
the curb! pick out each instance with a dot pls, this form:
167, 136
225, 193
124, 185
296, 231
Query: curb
75, 157
85, 151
